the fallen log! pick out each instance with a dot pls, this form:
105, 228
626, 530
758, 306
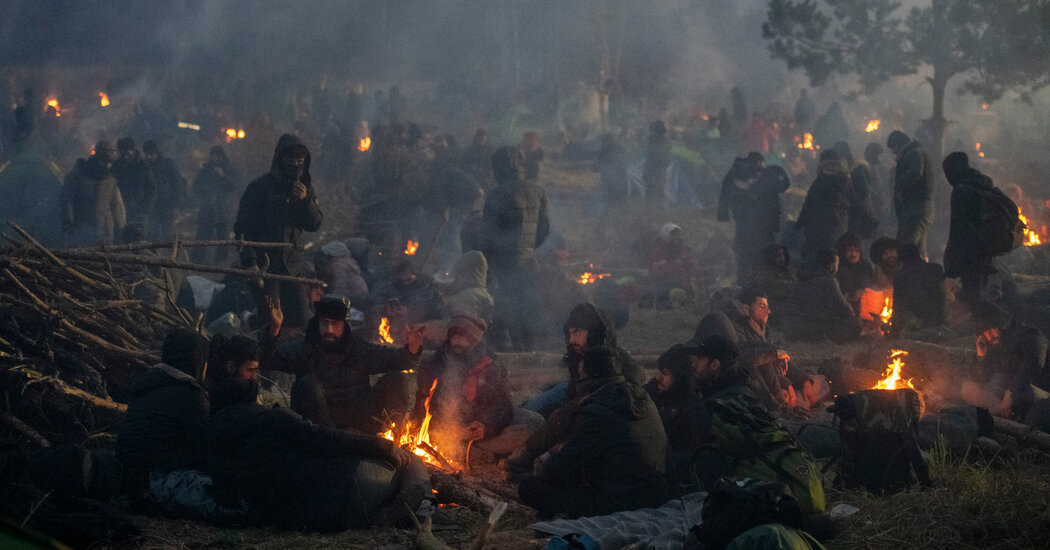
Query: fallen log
26, 430
453, 489
180, 244
1023, 433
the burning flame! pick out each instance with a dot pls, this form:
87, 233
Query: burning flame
53, 103
807, 142
980, 153
984, 106
872, 126
411, 247
892, 378
384, 331
1031, 238
231, 133
421, 440
103, 99
234, 133
587, 277
887, 311
365, 144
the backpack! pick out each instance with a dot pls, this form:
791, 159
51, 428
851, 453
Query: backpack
750, 444
1001, 228
878, 449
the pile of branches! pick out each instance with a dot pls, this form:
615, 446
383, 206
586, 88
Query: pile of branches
77, 326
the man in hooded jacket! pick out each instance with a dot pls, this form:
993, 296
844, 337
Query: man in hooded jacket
825, 214
276, 208
92, 208
912, 190
135, 179
612, 457
965, 256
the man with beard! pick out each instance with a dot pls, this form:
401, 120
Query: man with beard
92, 207
332, 368
171, 191
855, 272
471, 399
276, 208
135, 179
912, 190
885, 252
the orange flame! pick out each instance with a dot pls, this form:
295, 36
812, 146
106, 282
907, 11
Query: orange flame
240, 133
103, 99
384, 331
587, 277
365, 144
887, 310
980, 153
53, 103
891, 379
806, 142
411, 247
1031, 238
872, 126
413, 443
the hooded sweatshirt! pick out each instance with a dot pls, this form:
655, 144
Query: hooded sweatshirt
268, 214
825, 212
468, 292
963, 254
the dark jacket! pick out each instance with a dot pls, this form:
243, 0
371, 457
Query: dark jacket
654, 172
682, 414
913, 188
825, 213
291, 472
421, 298
964, 253
489, 403
616, 444
745, 333
215, 190
266, 214
919, 297
171, 186
1018, 363
820, 310
863, 219
853, 277
601, 331
92, 208
756, 209
515, 223
163, 428
347, 369
137, 185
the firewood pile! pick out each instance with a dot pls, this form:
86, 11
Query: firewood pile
77, 326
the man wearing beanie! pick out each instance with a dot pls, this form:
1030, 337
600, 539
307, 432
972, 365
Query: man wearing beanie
1012, 357
276, 208
91, 203
472, 398
171, 191
333, 366
163, 429
135, 179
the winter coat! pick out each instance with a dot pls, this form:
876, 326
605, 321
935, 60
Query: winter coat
346, 370
825, 213
92, 206
515, 223
267, 214
171, 186
863, 219
919, 297
601, 331
468, 292
913, 189
293, 473
215, 190
474, 389
819, 309
964, 254
1018, 363
756, 209
682, 414
344, 277
137, 185
163, 428
615, 444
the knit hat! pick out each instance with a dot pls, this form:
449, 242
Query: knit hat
469, 325
332, 306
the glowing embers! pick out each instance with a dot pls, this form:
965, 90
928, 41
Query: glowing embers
53, 103
891, 379
103, 99
384, 331
365, 144
411, 247
1031, 238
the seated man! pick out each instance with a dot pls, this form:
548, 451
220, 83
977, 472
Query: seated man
855, 272
163, 429
751, 326
673, 391
919, 297
416, 293
236, 358
780, 388
818, 307
1014, 359
332, 368
612, 457
298, 475
471, 401
775, 278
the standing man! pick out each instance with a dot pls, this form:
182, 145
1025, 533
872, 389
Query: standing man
515, 223
135, 179
276, 208
215, 189
171, 191
92, 209
657, 159
912, 190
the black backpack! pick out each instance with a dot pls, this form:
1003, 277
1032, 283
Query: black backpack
1001, 227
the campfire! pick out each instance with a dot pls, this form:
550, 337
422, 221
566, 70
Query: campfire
234, 133
892, 380
53, 103
587, 277
411, 247
103, 99
384, 331
419, 444
365, 144
872, 126
1031, 238
806, 142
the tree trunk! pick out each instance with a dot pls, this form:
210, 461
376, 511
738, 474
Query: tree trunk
938, 124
